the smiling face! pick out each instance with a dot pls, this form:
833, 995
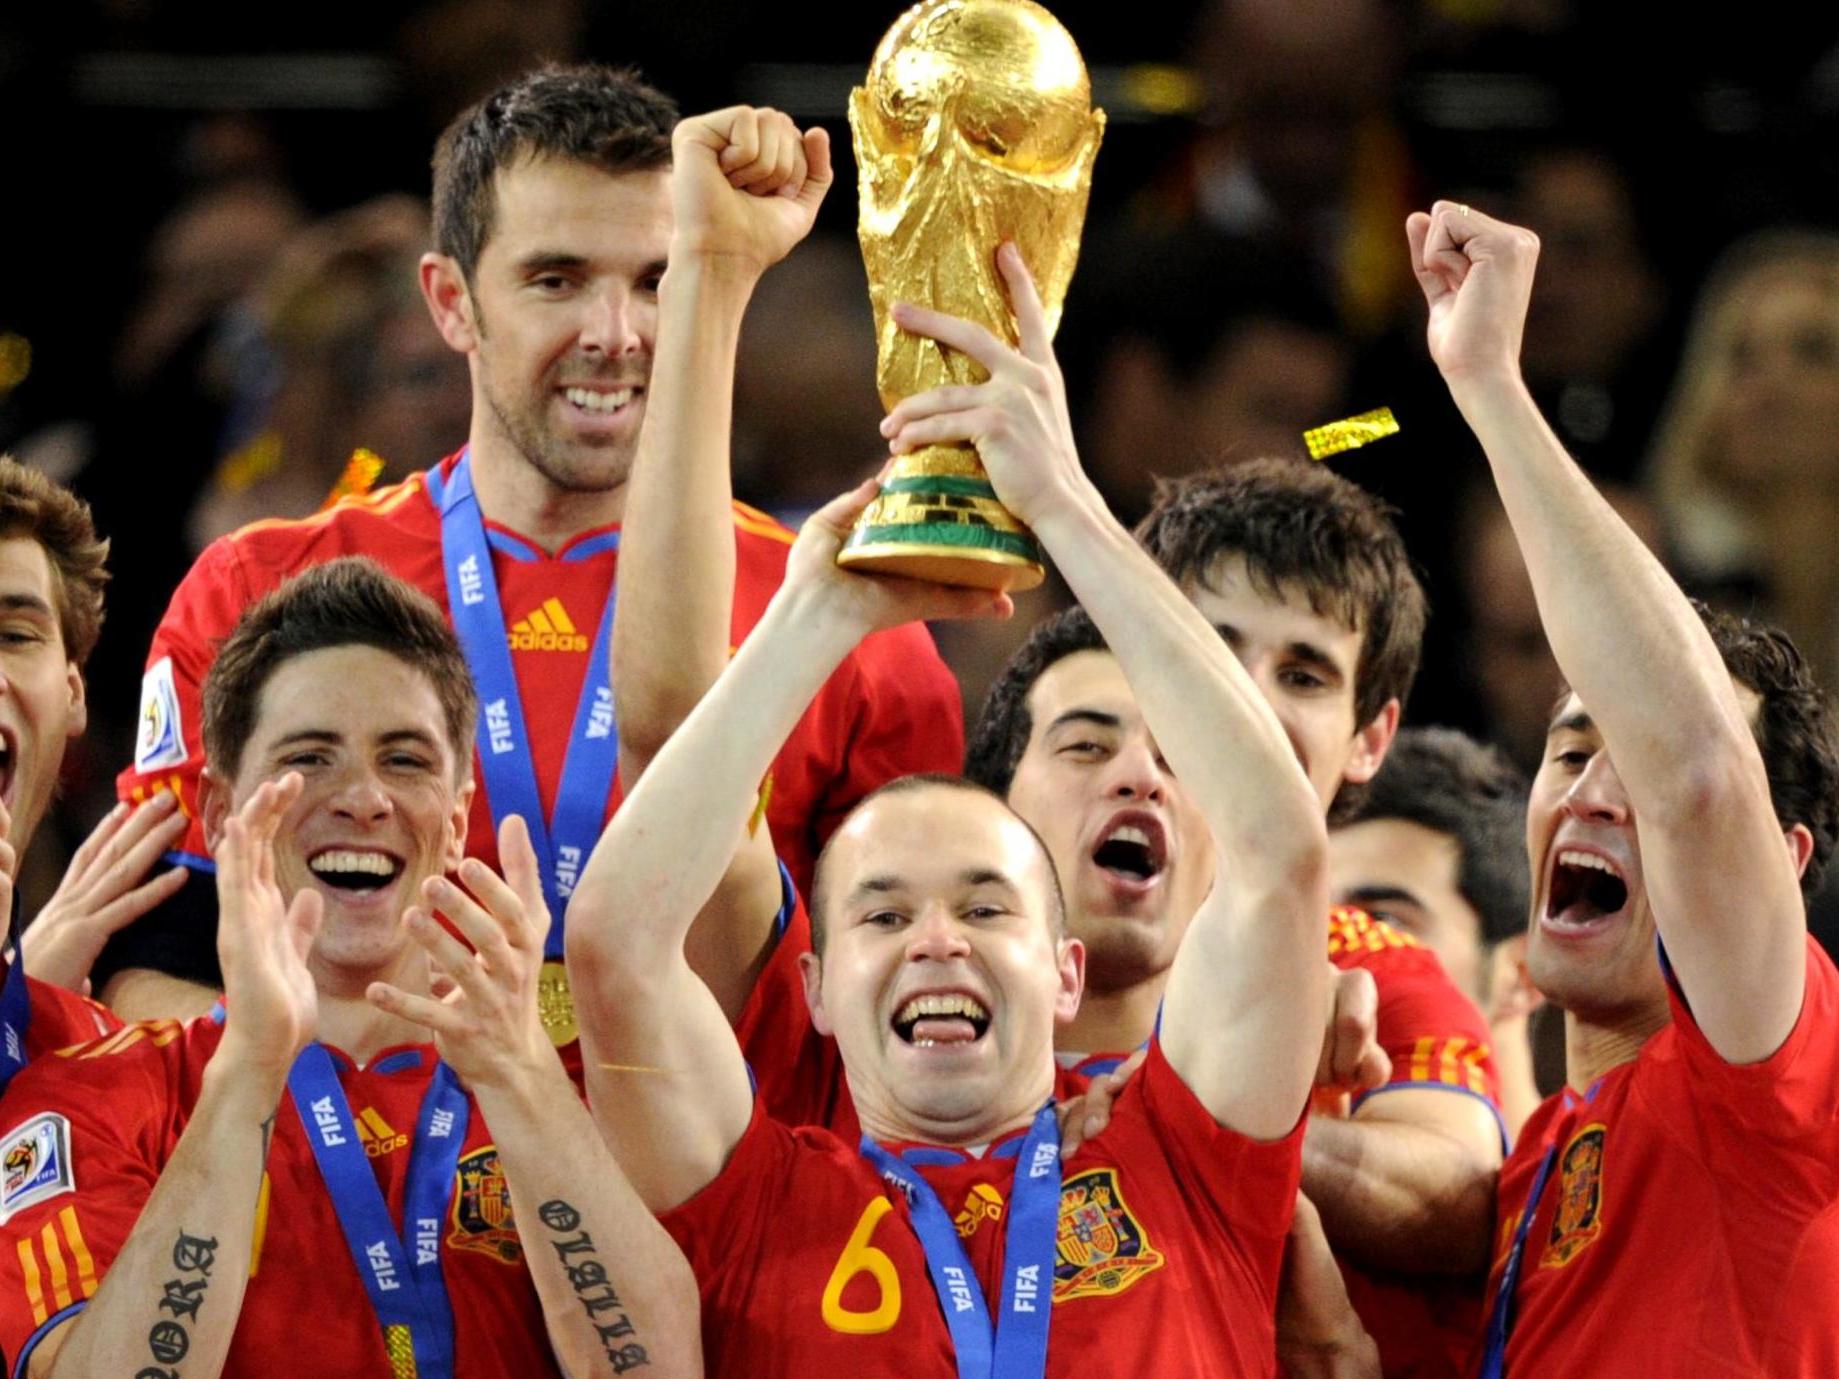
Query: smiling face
42, 704
1131, 849
942, 978
560, 317
1590, 946
1304, 663
382, 810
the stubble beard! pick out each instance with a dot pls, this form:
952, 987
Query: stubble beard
568, 466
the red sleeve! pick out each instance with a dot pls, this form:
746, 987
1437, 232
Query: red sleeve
82, 1148
168, 744
61, 1018
1433, 1033
723, 1228
1249, 1184
1793, 1093
797, 1072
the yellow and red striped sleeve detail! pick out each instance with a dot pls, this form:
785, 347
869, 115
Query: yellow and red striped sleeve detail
159, 1033
762, 524
1454, 1061
55, 1266
1355, 931
384, 501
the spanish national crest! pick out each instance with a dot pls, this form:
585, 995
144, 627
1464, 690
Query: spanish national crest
1102, 1248
482, 1209
1579, 1218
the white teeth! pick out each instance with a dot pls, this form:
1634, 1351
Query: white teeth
1587, 859
373, 863
598, 402
949, 1004
1129, 833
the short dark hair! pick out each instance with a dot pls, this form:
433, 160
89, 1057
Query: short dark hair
1451, 784
1005, 724
933, 780
35, 506
605, 116
1794, 729
351, 601
1296, 522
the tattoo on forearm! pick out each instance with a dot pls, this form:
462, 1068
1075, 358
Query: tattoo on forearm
588, 1277
192, 1256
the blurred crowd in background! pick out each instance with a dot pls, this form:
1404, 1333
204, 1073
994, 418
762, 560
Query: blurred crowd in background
211, 221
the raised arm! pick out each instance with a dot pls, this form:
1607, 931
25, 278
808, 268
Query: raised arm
1242, 1018
745, 186
616, 1291
664, 1074
1635, 652
180, 1277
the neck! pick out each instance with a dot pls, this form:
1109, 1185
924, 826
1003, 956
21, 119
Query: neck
1593, 1047
347, 1019
515, 494
1114, 1021
886, 1122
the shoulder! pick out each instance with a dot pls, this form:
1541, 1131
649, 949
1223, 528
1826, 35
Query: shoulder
370, 523
761, 535
117, 1075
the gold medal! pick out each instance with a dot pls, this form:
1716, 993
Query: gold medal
555, 1005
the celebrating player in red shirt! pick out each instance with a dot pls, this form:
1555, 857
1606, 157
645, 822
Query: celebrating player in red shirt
553, 217
944, 969
1670, 1213
180, 1194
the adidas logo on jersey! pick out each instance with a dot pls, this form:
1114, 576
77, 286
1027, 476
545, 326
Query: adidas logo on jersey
377, 1135
548, 628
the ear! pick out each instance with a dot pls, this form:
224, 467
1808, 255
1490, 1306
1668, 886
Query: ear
458, 820
1800, 847
1511, 993
1070, 967
1371, 744
450, 303
811, 968
78, 718
213, 806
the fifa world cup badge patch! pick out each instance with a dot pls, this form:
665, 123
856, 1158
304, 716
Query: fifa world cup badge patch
1102, 1248
1579, 1218
35, 1163
160, 741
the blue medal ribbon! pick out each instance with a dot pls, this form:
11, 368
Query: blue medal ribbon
1500, 1314
1015, 1346
404, 1281
562, 842
15, 1000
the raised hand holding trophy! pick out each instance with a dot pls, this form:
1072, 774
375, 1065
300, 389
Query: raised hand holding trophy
975, 126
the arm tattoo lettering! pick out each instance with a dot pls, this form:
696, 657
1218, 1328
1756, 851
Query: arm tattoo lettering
168, 1341
588, 1277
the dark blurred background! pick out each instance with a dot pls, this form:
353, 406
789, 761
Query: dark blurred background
211, 217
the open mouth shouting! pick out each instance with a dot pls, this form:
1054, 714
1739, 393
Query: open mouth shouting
354, 870
941, 1017
1132, 852
1586, 891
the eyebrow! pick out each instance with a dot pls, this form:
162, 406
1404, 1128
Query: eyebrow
26, 603
1579, 722
1098, 718
547, 260
1373, 895
887, 883
1302, 651
389, 739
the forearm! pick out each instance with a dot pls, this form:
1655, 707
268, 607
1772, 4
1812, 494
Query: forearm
617, 1294
1399, 1196
671, 842
170, 1302
1621, 630
672, 619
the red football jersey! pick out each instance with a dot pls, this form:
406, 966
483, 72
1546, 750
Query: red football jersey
1687, 1227
1171, 1234
1424, 1325
123, 1102
892, 708
61, 1018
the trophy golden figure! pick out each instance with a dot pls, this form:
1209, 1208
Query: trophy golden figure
975, 126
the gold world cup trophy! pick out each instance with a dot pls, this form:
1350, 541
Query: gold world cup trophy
975, 126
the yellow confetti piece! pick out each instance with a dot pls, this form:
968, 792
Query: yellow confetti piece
629, 1068
1350, 434
361, 472
15, 360
759, 809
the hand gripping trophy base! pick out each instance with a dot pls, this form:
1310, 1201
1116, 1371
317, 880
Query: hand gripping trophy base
937, 518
